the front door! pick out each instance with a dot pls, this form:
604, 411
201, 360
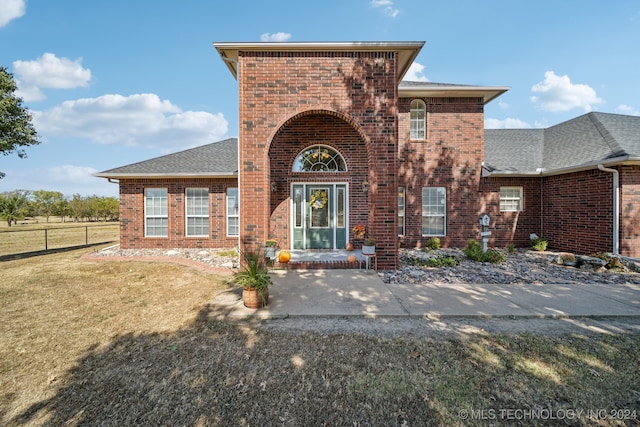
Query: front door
320, 219
319, 216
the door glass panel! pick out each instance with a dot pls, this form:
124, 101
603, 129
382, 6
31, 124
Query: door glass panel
297, 207
319, 206
341, 208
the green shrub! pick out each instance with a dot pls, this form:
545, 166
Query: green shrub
539, 244
511, 248
473, 251
433, 243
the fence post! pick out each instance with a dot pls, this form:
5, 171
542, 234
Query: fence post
46, 239
86, 235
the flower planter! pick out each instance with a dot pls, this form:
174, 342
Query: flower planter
368, 250
269, 252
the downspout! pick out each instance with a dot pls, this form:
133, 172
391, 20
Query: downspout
616, 207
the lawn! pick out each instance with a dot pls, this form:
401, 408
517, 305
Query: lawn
133, 343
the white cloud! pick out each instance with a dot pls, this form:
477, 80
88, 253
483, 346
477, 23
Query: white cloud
557, 93
508, 123
68, 179
503, 105
135, 120
414, 74
49, 71
11, 9
386, 6
275, 37
628, 110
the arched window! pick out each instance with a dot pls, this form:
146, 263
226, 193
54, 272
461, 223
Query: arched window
319, 158
418, 119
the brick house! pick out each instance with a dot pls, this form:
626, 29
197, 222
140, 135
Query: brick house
331, 137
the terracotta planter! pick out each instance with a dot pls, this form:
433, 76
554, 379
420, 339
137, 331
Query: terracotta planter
255, 298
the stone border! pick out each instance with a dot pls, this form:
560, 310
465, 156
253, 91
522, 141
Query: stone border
222, 271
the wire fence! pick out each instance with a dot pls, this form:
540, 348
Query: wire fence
16, 242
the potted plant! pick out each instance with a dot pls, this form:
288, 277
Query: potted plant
254, 279
270, 248
369, 246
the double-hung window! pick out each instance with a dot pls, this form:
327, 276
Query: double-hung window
418, 119
233, 216
197, 206
156, 223
434, 211
510, 199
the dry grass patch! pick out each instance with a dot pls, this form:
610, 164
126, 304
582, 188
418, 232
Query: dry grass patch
127, 343
56, 307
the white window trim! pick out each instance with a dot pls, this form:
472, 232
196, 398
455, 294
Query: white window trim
228, 215
519, 199
444, 215
187, 216
147, 215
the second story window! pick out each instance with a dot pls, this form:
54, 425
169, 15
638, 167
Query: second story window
418, 119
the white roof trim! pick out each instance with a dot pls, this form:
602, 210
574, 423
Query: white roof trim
488, 93
408, 51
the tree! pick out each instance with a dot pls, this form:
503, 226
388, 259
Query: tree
16, 129
12, 207
46, 202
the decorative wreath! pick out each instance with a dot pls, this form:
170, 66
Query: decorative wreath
319, 199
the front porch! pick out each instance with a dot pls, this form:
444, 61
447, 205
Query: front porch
323, 259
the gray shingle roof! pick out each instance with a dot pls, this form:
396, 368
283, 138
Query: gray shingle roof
583, 141
513, 150
216, 159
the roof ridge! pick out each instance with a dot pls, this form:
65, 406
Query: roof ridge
606, 134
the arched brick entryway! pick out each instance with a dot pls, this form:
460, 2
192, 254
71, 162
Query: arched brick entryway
304, 130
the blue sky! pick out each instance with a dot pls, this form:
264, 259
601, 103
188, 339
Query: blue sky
115, 82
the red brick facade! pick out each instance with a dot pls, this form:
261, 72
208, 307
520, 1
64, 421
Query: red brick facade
630, 211
132, 212
572, 211
282, 96
451, 156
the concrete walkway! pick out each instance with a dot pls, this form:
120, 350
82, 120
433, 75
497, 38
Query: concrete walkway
359, 293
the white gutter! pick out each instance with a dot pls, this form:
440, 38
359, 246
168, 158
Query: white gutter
626, 159
616, 207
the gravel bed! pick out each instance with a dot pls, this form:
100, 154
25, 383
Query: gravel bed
522, 266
